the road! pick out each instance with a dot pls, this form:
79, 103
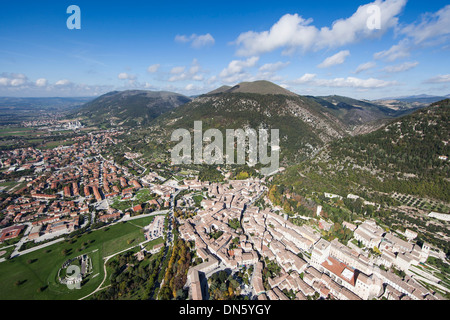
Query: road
17, 253
170, 217
20, 253
154, 213
104, 267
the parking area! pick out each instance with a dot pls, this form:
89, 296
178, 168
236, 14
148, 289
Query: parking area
155, 229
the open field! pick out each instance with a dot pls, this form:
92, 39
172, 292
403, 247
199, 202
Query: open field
57, 143
20, 131
34, 275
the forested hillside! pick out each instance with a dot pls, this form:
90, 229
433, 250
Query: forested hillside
408, 156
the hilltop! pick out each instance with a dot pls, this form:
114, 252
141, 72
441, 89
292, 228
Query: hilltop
304, 125
130, 107
258, 87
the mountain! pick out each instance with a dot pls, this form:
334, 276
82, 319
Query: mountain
259, 87
406, 156
220, 90
130, 107
359, 116
408, 103
420, 98
304, 125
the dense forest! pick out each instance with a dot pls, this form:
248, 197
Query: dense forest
406, 156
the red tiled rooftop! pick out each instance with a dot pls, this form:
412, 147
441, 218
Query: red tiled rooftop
338, 268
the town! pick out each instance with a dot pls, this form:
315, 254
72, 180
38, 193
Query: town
232, 225
309, 264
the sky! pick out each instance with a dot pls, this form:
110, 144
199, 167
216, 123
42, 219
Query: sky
360, 49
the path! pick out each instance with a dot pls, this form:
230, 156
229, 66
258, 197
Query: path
104, 268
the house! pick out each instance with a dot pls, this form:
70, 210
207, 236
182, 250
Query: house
67, 192
109, 217
154, 202
324, 225
136, 184
410, 235
10, 233
331, 195
43, 196
35, 232
320, 252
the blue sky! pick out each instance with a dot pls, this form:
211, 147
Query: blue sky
192, 47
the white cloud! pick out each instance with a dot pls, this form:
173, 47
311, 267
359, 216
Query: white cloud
293, 32
153, 68
433, 26
189, 87
306, 78
338, 58
181, 38
290, 31
177, 70
353, 82
237, 67
401, 67
273, 67
398, 51
439, 79
365, 66
42, 82
431, 30
18, 85
126, 76
349, 82
197, 41
63, 82
202, 40
195, 72
13, 79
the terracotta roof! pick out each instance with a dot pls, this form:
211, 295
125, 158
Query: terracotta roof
340, 269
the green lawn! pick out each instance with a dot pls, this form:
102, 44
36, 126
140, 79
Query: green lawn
34, 275
57, 143
140, 197
19, 131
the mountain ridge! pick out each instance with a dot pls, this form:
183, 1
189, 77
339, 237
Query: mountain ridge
304, 126
402, 156
129, 107
258, 87
306, 123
